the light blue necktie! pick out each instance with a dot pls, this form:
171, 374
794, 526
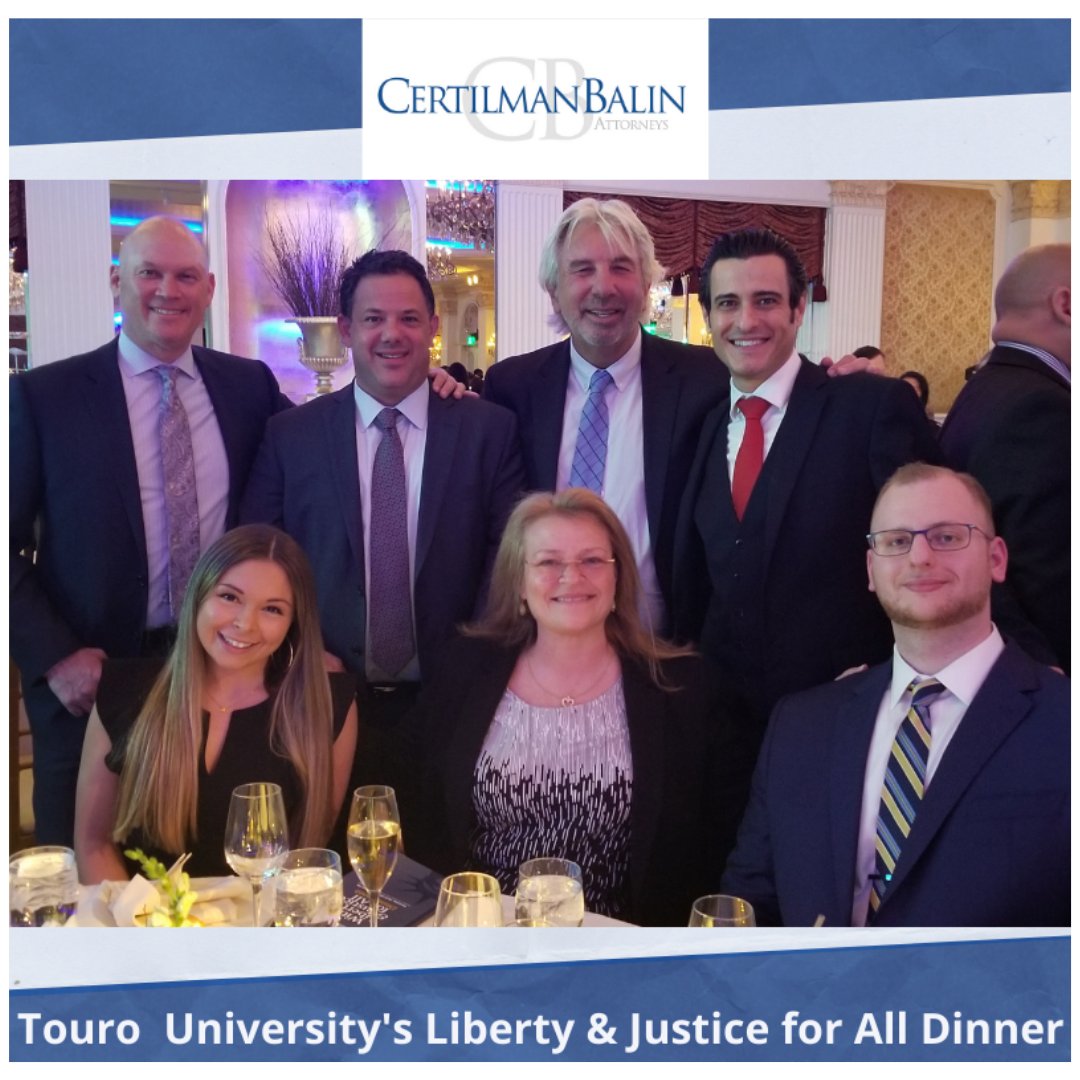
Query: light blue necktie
590, 451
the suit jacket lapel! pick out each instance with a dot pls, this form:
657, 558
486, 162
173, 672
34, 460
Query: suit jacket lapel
461, 746
344, 471
444, 427
107, 406
548, 406
790, 448
219, 391
660, 389
1002, 702
645, 711
852, 730
1003, 356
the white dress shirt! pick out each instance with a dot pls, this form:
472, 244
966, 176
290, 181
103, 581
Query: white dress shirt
142, 391
776, 390
1048, 358
624, 473
962, 680
412, 430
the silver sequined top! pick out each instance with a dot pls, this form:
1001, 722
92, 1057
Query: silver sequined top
557, 782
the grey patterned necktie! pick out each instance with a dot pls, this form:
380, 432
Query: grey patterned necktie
590, 451
390, 615
181, 498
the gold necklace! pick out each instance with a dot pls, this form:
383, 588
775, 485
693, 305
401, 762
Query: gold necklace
566, 700
217, 707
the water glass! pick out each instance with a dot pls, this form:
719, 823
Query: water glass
469, 899
549, 893
719, 910
307, 889
43, 886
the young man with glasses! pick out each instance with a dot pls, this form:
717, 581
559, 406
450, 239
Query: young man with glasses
932, 790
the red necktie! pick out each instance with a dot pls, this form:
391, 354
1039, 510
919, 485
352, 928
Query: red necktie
751, 453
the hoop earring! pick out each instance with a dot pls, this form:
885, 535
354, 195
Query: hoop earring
523, 608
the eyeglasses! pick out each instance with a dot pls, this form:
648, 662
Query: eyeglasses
554, 569
952, 536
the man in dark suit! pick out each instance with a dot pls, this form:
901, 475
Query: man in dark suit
932, 790
769, 576
398, 497
598, 266
88, 494
1010, 429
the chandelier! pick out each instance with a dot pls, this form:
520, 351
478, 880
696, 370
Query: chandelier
462, 213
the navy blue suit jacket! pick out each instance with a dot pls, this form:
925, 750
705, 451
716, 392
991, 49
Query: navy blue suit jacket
990, 842
679, 385
75, 497
780, 600
306, 481
1010, 428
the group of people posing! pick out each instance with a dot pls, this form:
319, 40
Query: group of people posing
557, 619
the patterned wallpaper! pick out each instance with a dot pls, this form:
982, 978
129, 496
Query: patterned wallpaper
938, 284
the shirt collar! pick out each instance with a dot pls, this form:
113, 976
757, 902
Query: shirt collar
776, 389
135, 360
414, 407
1048, 358
620, 371
962, 678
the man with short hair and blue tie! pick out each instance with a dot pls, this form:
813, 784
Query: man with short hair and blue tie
126, 462
932, 790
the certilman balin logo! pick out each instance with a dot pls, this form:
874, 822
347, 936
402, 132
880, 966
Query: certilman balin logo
512, 98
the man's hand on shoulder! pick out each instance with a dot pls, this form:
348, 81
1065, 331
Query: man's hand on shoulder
445, 385
74, 680
846, 365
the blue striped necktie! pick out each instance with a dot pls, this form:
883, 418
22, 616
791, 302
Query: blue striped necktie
905, 782
590, 451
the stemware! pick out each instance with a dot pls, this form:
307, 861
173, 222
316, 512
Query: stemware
469, 899
256, 836
374, 840
549, 893
720, 910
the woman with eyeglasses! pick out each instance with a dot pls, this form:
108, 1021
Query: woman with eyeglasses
558, 726
243, 697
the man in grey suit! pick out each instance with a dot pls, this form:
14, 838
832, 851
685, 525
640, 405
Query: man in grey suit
88, 494
398, 496
932, 790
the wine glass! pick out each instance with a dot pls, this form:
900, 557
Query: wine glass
374, 839
256, 836
307, 890
469, 899
549, 893
719, 910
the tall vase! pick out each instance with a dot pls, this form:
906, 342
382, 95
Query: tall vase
321, 349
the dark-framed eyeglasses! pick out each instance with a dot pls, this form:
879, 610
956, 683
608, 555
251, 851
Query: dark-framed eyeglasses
555, 569
949, 536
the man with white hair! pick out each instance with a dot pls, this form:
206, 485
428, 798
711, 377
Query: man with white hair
611, 408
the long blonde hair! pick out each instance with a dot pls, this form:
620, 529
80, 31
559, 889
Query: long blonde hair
505, 621
159, 783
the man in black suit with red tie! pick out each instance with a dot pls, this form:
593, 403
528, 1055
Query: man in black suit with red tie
770, 576
1010, 428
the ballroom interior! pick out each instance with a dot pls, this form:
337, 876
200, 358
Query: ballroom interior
906, 266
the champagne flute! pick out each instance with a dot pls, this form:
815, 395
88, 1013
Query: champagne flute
374, 839
469, 899
549, 893
256, 836
719, 910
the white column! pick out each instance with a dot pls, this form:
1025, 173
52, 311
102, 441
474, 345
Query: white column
854, 264
525, 214
69, 307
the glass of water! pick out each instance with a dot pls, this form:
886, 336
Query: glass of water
469, 899
307, 889
549, 893
43, 886
719, 910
